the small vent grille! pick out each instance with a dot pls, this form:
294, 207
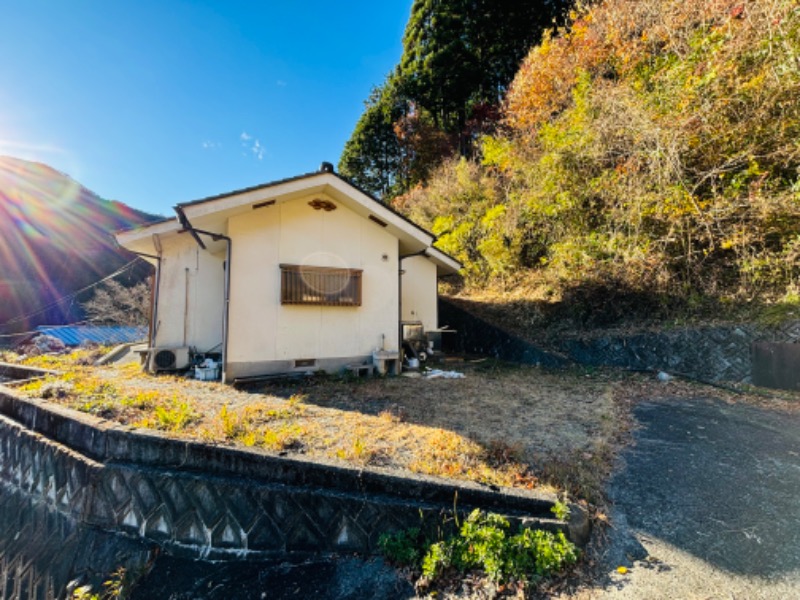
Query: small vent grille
375, 219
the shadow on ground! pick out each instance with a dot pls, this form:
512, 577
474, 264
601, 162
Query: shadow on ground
336, 578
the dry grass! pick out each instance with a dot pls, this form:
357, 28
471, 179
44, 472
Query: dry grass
501, 425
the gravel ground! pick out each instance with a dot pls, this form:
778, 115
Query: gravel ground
500, 424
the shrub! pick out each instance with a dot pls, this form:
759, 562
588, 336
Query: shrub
403, 547
483, 544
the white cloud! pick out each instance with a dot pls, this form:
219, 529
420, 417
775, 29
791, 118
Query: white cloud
258, 150
209, 145
252, 144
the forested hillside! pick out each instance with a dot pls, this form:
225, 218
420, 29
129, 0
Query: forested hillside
648, 162
459, 57
55, 238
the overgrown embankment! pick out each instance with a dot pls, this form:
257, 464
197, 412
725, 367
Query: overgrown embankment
647, 165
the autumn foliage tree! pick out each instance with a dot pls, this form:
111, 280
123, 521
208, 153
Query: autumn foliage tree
649, 145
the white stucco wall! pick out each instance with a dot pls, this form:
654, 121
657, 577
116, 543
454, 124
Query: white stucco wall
190, 302
419, 294
263, 330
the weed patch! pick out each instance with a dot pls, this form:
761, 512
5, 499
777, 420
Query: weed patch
174, 415
483, 544
500, 426
116, 587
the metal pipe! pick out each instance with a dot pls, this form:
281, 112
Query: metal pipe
185, 304
400, 315
225, 314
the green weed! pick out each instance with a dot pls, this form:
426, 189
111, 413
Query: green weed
560, 510
483, 544
405, 547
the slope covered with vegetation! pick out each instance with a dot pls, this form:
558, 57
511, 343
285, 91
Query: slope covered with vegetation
55, 238
649, 161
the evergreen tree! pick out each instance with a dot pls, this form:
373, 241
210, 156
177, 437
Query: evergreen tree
439, 66
373, 156
459, 56
461, 53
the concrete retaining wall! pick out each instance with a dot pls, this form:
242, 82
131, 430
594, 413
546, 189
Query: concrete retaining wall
212, 502
718, 354
42, 550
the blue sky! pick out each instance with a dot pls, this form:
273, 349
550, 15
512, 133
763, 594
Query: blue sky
153, 103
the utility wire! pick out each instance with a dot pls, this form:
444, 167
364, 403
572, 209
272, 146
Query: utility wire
72, 295
35, 331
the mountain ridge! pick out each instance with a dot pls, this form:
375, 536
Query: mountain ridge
55, 239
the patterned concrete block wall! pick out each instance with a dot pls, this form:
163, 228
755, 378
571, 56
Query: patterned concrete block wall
217, 503
208, 516
717, 354
42, 550
710, 354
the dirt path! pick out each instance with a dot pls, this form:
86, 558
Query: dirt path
706, 505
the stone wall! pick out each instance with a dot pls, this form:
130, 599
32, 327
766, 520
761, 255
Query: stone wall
212, 502
716, 353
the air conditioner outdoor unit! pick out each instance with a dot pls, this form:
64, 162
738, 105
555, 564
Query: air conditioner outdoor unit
169, 359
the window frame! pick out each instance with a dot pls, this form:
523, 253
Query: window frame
302, 285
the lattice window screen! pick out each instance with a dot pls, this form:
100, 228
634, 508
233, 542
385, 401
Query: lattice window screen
321, 286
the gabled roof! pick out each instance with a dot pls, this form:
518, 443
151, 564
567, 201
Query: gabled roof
212, 212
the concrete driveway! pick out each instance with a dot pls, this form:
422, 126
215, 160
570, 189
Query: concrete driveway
706, 505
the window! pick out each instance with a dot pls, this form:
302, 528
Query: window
321, 286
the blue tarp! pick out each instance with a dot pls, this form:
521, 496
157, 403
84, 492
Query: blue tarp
105, 335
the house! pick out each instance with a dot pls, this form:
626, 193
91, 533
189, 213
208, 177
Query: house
306, 273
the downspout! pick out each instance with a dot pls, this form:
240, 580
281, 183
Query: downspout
400, 295
227, 287
225, 312
185, 305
